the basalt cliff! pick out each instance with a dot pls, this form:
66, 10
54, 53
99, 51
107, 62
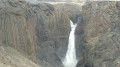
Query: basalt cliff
36, 34
101, 39
36, 31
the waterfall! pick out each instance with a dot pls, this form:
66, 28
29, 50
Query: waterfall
70, 58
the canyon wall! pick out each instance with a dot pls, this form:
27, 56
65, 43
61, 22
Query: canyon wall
52, 31
17, 27
101, 38
38, 31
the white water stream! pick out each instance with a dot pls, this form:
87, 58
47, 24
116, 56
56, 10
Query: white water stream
70, 59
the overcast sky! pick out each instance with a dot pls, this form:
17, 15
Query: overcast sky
35, 1
78, 0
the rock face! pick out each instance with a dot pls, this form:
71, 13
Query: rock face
52, 31
17, 27
101, 39
39, 31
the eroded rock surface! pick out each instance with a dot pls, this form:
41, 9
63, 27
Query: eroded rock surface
101, 34
53, 28
39, 31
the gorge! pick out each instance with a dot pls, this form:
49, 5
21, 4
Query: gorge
36, 34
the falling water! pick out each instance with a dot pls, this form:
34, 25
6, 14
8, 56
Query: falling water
70, 58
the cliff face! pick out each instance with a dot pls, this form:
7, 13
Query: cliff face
52, 31
101, 34
38, 31
17, 27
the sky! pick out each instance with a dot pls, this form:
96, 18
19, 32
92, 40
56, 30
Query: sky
78, 0
36, 1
